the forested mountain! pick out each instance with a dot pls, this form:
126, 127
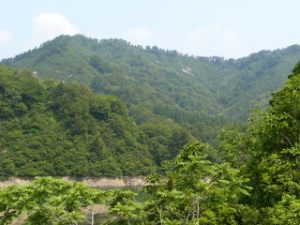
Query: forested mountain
164, 99
257, 181
150, 103
56, 128
199, 93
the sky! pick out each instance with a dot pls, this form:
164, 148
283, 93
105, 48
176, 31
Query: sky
230, 29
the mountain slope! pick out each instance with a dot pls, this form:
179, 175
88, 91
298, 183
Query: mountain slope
64, 129
199, 93
255, 78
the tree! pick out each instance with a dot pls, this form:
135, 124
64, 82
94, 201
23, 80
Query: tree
274, 146
47, 201
194, 191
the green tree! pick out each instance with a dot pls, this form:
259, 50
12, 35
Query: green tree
47, 201
274, 147
194, 191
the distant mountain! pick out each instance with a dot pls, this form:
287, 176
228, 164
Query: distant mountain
200, 93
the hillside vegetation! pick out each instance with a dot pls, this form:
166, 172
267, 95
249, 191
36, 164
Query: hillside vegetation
256, 182
56, 128
199, 93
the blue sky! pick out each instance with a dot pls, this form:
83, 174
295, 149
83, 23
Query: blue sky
231, 28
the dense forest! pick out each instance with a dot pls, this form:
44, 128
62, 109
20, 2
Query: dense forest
55, 128
256, 181
200, 94
82, 107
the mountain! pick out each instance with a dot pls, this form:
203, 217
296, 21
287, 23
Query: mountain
57, 128
199, 93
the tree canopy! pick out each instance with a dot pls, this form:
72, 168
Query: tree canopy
63, 129
200, 94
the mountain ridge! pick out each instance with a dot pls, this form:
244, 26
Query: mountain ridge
166, 83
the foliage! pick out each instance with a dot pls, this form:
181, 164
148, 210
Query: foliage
199, 93
63, 129
275, 141
287, 211
256, 182
194, 191
47, 201
271, 148
58, 128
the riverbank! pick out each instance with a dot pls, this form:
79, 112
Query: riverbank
104, 182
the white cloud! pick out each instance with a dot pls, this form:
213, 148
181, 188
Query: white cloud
216, 40
5, 37
140, 35
50, 25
